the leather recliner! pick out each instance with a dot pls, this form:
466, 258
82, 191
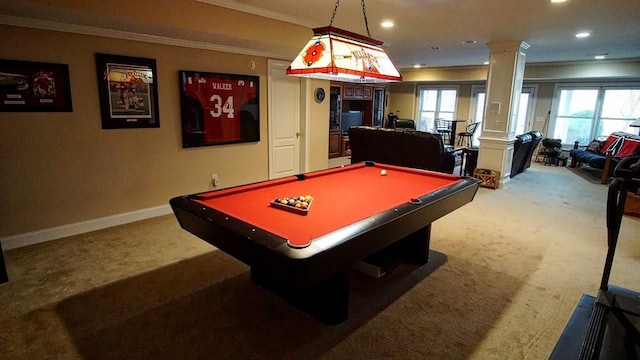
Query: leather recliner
521, 148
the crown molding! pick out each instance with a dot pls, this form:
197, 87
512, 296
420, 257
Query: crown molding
250, 9
126, 35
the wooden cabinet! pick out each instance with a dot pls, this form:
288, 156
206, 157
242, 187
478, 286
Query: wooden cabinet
349, 91
367, 92
632, 206
348, 97
358, 92
335, 137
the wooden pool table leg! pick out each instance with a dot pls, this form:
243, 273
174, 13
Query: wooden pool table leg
412, 249
327, 301
418, 246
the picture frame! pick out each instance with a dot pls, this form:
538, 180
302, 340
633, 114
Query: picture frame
27, 86
219, 108
128, 90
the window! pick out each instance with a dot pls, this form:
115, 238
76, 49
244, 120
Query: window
620, 108
435, 103
476, 110
584, 113
524, 109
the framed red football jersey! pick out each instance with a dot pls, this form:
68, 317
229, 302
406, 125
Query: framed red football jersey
219, 108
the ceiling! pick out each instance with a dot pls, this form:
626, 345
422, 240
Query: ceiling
435, 33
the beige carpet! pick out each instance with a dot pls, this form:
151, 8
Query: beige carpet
506, 273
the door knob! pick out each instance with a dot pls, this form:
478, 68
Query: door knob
297, 134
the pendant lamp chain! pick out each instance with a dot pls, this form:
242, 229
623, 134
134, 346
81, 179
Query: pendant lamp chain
366, 23
364, 14
335, 10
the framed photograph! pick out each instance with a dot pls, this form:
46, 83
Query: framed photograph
219, 108
34, 86
128, 92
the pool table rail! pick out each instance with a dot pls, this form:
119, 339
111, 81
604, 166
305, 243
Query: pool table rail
340, 248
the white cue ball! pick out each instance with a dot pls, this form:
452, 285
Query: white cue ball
383, 172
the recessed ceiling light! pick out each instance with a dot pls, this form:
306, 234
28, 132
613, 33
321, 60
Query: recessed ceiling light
418, 66
486, 63
469, 42
558, 1
583, 34
387, 24
599, 57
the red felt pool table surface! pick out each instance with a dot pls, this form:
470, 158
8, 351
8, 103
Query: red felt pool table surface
342, 196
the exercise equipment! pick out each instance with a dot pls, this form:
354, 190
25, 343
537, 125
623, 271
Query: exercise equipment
614, 327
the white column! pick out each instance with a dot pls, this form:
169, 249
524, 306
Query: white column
504, 85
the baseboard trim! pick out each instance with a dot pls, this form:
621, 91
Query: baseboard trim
40, 236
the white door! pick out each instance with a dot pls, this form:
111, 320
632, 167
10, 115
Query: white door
284, 121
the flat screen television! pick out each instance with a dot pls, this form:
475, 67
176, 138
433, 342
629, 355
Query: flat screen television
349, 119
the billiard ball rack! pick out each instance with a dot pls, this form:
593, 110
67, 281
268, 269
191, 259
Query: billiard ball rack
291, 207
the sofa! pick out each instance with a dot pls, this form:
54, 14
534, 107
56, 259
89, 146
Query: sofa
606, 155
523, 149
403, 147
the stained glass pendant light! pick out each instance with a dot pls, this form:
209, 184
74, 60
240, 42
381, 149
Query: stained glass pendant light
340, 55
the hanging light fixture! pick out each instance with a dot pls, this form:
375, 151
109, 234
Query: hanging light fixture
340, 55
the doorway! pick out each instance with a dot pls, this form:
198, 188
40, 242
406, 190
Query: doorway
284, 121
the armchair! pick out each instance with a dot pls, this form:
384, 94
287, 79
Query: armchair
405, 124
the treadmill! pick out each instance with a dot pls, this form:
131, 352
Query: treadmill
613, 331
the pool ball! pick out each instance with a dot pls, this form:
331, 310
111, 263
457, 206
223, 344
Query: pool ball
383, 172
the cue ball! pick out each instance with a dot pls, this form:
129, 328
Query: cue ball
383, 172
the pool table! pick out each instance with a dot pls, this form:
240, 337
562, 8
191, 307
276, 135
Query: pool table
356, 213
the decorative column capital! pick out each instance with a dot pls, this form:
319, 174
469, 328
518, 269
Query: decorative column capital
510, 46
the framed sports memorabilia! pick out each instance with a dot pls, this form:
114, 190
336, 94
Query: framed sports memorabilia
219, 108
34, 86
128, 89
